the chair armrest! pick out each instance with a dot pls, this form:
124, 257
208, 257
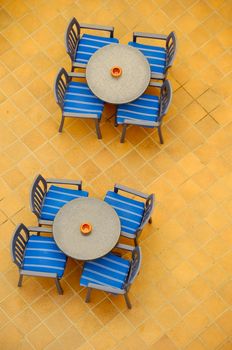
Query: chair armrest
125, 247
157, 76
98, 27
156, 84
106, 288
36, 273
76, 75
78, 183
78, 115
130, 190
80, 65
149, 35
144, 123
45, 222
40, 229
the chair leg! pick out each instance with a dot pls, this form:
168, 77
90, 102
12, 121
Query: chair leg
38, 233
58, 286
20, 280
61, 124
98, 130
128, 303
150, 220
115, 118
87, 299
123, 133
160, 135
136, 241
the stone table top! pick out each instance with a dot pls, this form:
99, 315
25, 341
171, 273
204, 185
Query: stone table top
130, 85
105, 228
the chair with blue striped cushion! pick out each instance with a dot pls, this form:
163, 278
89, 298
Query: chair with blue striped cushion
112, 273
46, 201
76, 100
147, 111
133, 214
80, 47
37, 255
160, 58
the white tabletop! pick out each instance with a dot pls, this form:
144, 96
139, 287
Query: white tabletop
130, 85
105, 232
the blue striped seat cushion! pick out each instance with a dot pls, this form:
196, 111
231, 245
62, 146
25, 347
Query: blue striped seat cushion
90, 44
43, 255
55, 198
130, 211
79, 99
111, 270
155, 55
145, 108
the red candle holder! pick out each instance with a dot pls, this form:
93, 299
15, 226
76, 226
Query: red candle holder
116, 71
86, 228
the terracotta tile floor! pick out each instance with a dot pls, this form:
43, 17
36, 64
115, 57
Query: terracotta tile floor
182, 297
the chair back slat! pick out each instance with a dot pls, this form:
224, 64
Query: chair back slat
171, 49
37, 200
38, 192
72, 40
19, 249
60, 97
37, 206
18, 256
61, 89
165, 98
169, 57
18, 244
134, 267
21, 238
72, 37
149, 207
60, 86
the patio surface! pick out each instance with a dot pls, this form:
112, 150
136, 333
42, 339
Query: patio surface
183, 294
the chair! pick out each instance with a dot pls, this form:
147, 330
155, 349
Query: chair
80, 47
46, 199
111, 273
160, 58
133, 214
37, 255
76, 100
147, 111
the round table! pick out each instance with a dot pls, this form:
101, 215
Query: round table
105, 228
130, 85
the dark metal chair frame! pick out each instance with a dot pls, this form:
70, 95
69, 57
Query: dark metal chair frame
38, 193
73, 36
164, 100
61, 82
171, 46
133, 272
149, 207
20, 237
